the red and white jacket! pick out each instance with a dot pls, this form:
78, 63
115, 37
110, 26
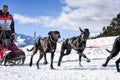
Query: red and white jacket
6, 22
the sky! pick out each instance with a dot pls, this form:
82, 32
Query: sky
66, 16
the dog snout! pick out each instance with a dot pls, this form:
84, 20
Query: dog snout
83, 39
59, 36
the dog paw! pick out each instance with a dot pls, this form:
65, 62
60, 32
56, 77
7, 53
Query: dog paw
88, 60
52, 68
118, 70
45, 63
58, 65
104, 65
80, 65
38, 68
30, 65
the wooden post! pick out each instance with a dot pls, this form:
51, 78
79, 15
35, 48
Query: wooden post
34, 36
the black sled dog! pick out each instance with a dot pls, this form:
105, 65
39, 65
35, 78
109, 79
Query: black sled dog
77, 43
45, 45
113, 53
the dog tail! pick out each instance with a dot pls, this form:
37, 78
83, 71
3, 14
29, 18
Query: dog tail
30, 49
108, 51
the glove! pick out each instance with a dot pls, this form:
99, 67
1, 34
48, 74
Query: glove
13, 36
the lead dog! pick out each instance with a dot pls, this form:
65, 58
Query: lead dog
77, 43
45, 45
113, 53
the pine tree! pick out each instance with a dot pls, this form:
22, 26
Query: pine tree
113, 29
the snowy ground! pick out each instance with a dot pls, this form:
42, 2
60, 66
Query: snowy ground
69, 69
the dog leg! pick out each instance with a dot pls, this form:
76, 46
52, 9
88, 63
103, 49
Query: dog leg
117, 65
34, 52
31, 60
45, 59
40, 57
109, 58
52, 57
23, 57
60, 59
88, 60
61, 56
80, 60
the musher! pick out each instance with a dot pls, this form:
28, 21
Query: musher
7, 31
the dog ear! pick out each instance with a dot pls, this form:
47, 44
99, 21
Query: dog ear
80, 29
87, 30
50, 32
57, 32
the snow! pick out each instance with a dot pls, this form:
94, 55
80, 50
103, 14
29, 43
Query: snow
69, 69
20, 41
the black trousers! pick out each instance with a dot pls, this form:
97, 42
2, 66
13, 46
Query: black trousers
4, 35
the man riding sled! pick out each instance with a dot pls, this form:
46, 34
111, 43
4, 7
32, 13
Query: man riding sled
7, 32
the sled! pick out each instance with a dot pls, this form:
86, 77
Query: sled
11, 55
